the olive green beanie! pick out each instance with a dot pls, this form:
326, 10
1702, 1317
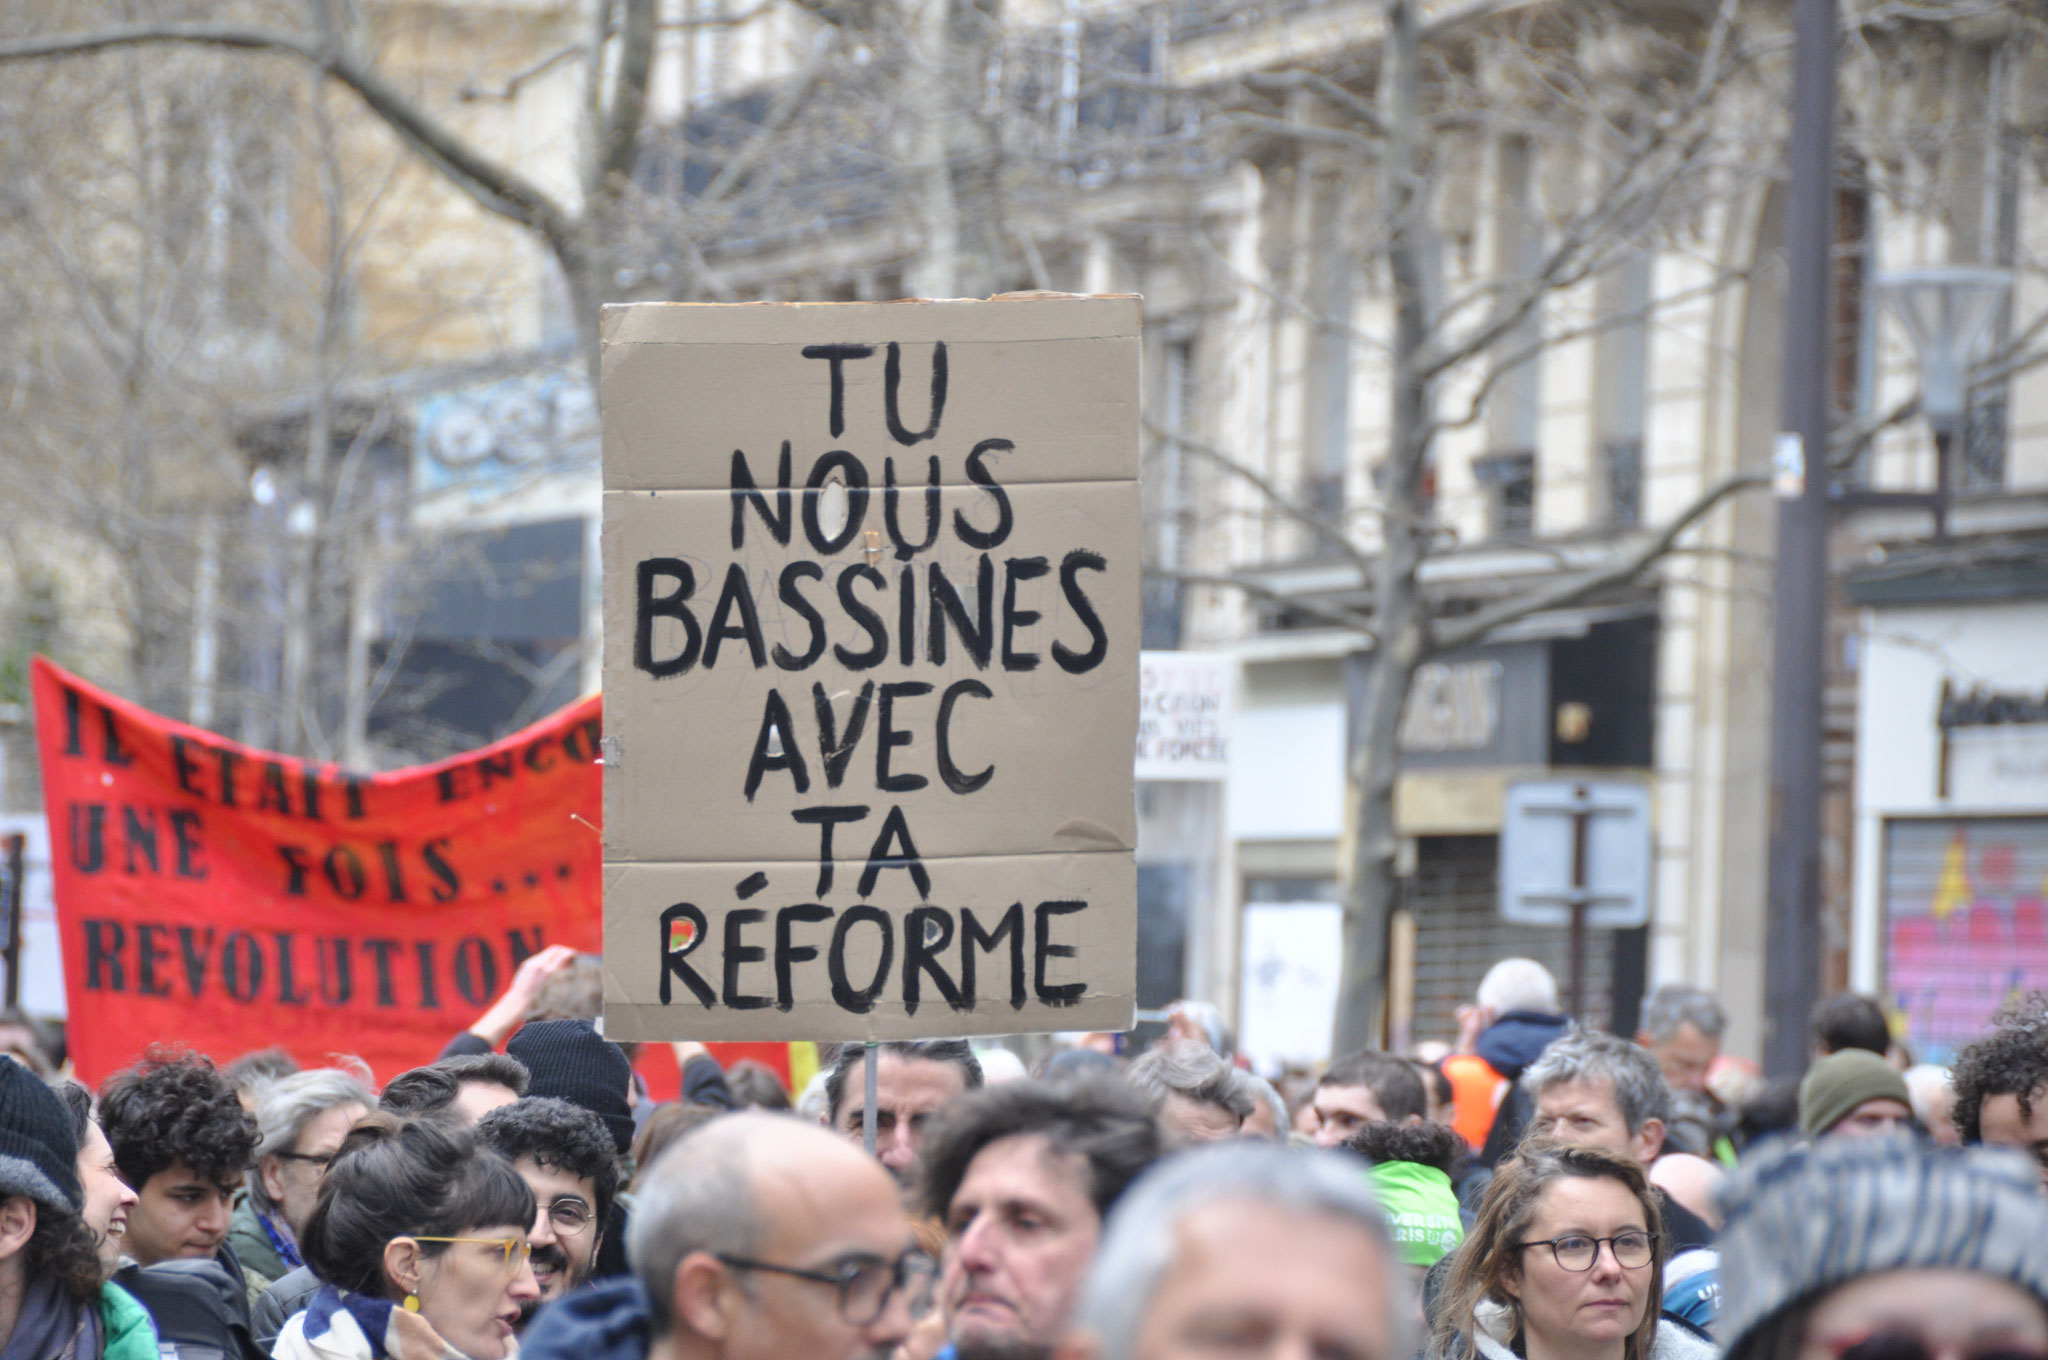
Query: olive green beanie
1840, 1082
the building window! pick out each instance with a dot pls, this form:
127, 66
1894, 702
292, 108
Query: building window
1622, 461
1512, 408
1167, 510
1621, 392
1510, 482
1982, 464
1326, 389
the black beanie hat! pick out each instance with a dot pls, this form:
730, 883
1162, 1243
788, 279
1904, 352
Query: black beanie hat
38, 1147
570, 1060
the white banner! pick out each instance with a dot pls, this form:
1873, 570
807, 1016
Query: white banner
1288, 994
1184, 706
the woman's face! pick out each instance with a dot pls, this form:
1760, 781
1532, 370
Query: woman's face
472, 1297
1950, 1313
107, 1196
1562, 1308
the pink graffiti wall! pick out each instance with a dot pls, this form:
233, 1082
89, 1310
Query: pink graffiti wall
1966, 913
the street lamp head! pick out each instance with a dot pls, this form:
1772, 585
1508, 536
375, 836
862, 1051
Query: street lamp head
1946, 311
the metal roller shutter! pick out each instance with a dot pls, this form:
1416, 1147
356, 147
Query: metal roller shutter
1459, 934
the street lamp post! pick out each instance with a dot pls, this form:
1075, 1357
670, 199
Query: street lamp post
1946, 311
1799, 594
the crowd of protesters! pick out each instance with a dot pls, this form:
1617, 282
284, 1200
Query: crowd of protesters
1536, 1191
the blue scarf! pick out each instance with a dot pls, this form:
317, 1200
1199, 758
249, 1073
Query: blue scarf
280, 1240
52, 1327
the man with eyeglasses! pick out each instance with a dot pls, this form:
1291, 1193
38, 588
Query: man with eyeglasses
300, 1121
754, 1237
565, 1153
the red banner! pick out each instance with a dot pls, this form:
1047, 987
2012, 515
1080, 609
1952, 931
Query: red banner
232, 899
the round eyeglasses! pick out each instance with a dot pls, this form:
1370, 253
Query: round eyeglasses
570, 1216
865, 1283
1576, 1251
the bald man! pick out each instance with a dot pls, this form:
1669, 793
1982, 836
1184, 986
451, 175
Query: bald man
755, 1237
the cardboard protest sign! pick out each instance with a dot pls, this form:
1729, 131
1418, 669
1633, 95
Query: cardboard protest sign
233, 899
871, 645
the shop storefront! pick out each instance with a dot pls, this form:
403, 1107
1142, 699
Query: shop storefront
1951, 883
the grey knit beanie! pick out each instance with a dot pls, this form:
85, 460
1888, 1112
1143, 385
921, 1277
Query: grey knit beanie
38, 1150
1802, 1220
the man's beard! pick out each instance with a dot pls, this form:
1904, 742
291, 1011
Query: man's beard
549, 1256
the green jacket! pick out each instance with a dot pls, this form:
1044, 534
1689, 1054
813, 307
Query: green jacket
252, 1246
130, 1333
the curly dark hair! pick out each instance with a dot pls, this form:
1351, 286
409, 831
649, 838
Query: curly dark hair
62, 1245
394, 1177
1099, 1121
78, 1104
558, 1135
1436, 1145
176, 1106
2010, 1060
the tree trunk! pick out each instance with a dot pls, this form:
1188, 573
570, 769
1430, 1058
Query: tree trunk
937, 271
1399, 620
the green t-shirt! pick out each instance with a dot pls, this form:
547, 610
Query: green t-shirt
1421, 1209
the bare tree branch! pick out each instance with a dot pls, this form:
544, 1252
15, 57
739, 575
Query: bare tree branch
1450, 635
1316, 524
518, 80
469, 91
497, 188
1475, 400
619, 116
1848, 440
1301, 132
1357, 107
1335, 615
789, 102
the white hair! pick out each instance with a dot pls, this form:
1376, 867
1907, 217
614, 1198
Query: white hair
1519, 985
810, 1104
1928, 1084
1675, 1004
1138, 1241
999, 1065
285, 1106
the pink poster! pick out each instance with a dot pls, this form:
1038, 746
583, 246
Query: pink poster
1966, 921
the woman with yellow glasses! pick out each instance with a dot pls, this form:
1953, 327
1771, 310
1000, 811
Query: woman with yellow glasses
421, 1238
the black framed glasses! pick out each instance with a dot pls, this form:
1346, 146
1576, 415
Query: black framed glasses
1576, 1251
317, 1162
865, 1283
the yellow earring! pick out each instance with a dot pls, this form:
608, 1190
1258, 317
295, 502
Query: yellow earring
412, 1303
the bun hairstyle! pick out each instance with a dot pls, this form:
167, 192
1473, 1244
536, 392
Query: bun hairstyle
394, 1177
